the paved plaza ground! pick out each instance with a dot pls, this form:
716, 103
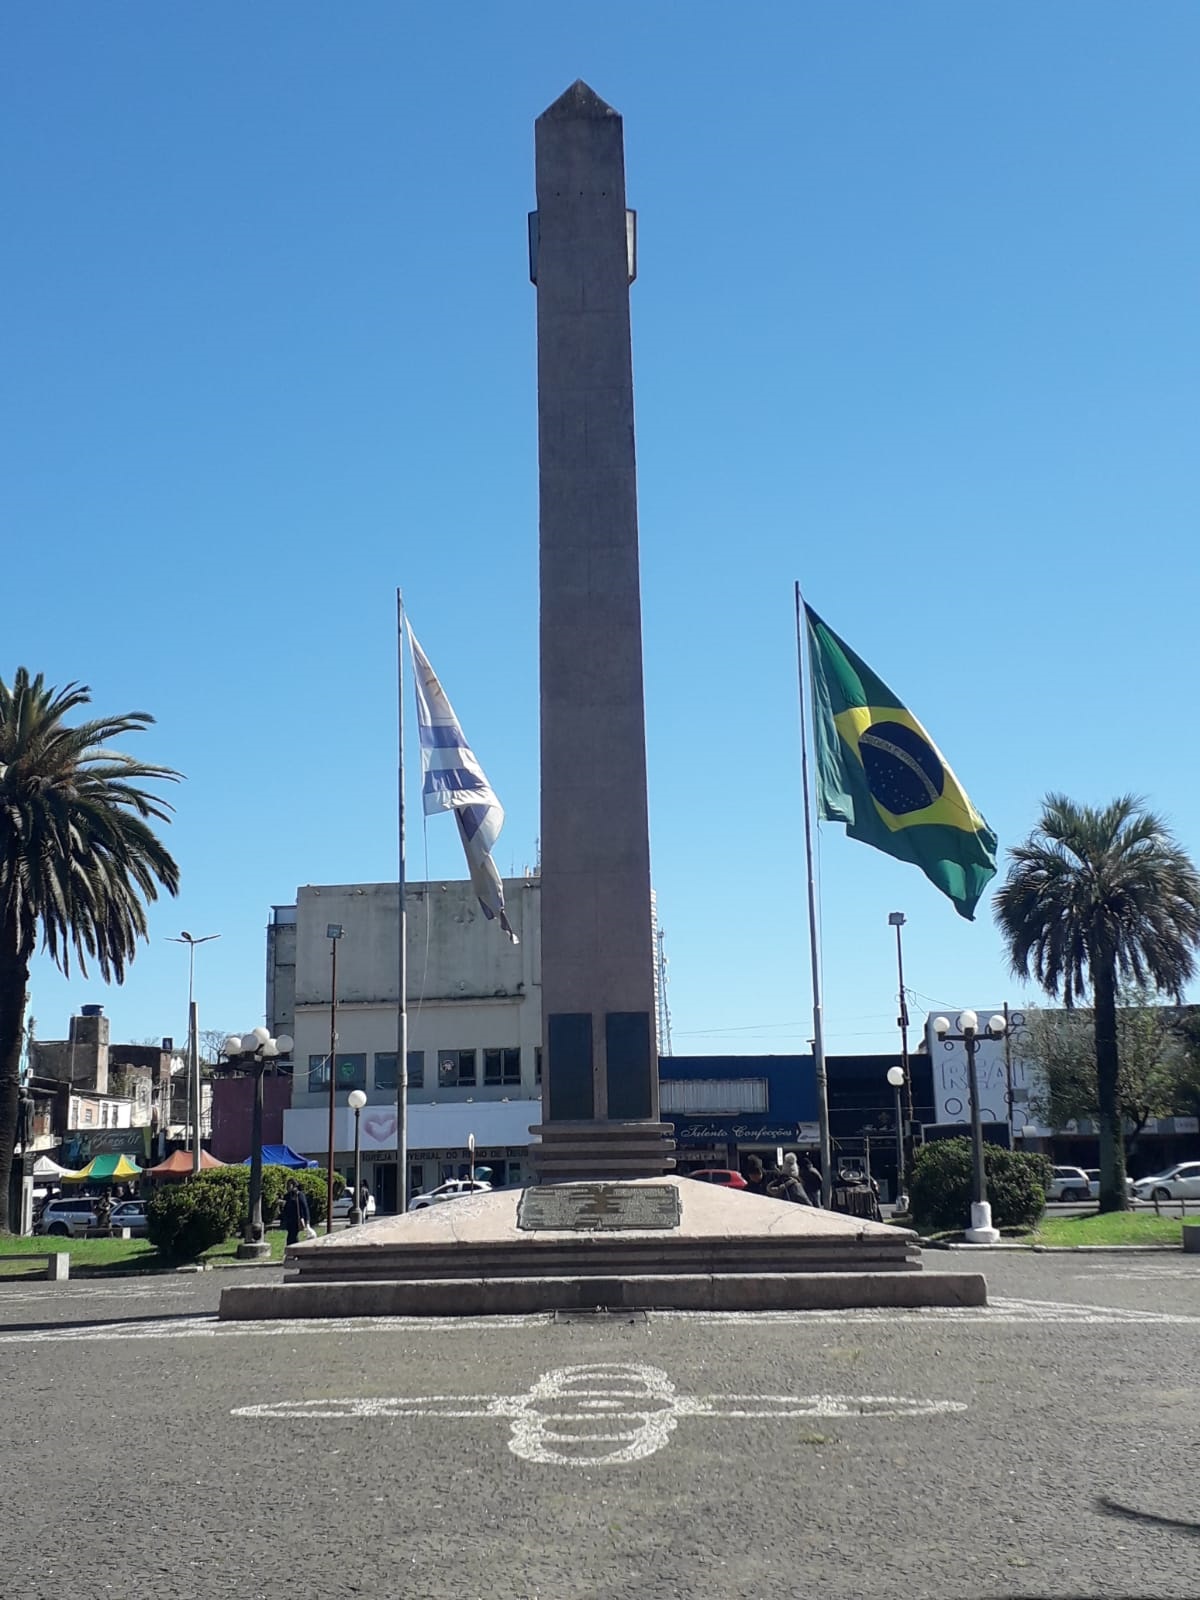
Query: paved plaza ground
1045, 1446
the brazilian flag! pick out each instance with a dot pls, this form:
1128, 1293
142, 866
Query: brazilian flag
881, 774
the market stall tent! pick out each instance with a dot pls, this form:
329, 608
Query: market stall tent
282, 1155
105, 1169
179, 1165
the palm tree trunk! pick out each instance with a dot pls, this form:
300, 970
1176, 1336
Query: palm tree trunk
1112, 1141
14, 980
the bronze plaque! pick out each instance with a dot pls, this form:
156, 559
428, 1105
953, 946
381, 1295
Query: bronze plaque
599, 1207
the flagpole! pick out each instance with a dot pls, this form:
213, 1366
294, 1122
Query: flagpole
402, 961
813, 944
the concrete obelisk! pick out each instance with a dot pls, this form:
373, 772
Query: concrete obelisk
600, 1062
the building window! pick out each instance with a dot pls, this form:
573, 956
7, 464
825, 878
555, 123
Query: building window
351, 1071
501, 1066
416, 1069
385, 1069
716, 1096
537, 1064
318, 1073
456, 1069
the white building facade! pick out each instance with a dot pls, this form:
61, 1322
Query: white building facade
474, 1028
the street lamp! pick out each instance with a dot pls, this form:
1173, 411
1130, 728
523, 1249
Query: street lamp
333, 932
195, 1121
251, 1052
896, 919
981, 1230
356, 1100
897, 1078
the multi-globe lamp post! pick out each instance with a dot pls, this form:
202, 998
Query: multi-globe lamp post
252, 1052
968, 1035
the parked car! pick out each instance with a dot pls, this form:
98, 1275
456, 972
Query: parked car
130, 1214
344, 1204
1093, 1177
452, 1189
1181, 1182
721, 1175
68, 1219
1069, 1183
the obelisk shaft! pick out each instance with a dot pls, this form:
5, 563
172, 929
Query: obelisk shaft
600, 1060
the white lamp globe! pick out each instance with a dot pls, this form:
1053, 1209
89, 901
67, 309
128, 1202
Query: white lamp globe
968, 1022
285, 1043
269, 1049
356, 1099
997, 1027
232, 1046
941, 1026
895, 1076
259, 1035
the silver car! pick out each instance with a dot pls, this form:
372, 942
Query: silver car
130, 1214
68, 1219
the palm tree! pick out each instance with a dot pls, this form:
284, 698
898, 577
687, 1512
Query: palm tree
77, 856
1094, 896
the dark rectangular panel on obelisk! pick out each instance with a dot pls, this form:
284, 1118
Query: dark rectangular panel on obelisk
569, 1089
597, 942
629, 1057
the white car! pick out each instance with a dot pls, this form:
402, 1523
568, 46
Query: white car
1180, 1182
1069, 1183
1093, 1177
344, 1204
453, 1189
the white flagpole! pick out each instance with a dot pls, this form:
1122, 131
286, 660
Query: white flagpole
402, 962
813, 942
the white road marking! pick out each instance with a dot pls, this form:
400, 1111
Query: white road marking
1001, 1312
556, 1422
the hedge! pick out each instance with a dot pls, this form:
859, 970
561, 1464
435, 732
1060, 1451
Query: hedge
274, 1186
183, 1220
186, 1219
940, 1186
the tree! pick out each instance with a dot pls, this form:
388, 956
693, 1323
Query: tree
1096, 896
78, 857
1157, 1075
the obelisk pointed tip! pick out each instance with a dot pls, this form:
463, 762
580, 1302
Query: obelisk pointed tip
579, 101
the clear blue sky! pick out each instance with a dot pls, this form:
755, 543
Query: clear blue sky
916, 323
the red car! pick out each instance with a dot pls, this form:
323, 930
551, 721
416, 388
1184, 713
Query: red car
721, 1175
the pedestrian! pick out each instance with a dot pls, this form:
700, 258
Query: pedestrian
294, 1213
756, 1178
364, 1194
786, 1185
810, 1177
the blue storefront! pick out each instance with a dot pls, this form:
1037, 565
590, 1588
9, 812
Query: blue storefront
724, 1108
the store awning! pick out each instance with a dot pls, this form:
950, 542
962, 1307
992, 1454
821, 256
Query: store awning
105, 1169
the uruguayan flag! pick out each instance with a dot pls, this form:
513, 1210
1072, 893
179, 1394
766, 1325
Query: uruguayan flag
454, 781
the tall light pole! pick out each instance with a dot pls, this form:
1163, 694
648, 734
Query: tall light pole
196, 1120
981, 1230
333, 932
896, 919
356, 1100
252, 1051
897, 1077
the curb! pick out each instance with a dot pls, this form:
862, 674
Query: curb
1061, 1249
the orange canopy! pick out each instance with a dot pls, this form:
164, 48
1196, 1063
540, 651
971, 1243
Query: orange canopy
179, 1165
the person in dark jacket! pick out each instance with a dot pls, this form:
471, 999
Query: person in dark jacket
756, 1178
786, 1185
294, 1214
811, 1179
